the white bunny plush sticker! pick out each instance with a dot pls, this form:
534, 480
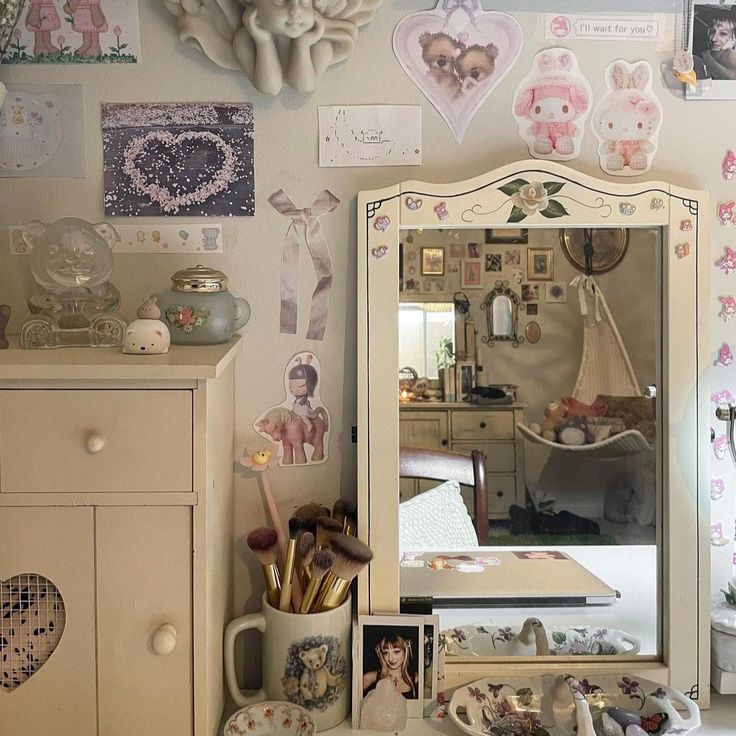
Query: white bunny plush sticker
627, 119
551, 105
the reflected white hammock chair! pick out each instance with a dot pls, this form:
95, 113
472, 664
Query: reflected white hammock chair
605, 368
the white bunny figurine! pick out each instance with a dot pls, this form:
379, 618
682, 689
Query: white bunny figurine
627, 119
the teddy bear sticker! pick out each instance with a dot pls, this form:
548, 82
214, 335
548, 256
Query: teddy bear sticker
551, 105
457, 54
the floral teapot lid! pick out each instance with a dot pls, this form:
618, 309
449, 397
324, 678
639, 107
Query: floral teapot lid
200, 279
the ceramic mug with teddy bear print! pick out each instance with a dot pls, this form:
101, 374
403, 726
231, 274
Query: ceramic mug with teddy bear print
306, 659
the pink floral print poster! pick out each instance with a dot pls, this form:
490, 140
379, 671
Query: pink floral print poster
76, 31
178, 159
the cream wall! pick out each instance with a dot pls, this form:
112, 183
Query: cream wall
692, 145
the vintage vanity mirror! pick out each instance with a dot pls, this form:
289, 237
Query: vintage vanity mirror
616, 570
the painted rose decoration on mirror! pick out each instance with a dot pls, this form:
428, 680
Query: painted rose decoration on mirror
274, 43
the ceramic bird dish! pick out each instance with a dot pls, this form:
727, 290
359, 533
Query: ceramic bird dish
556, 705
488, 640
272, 718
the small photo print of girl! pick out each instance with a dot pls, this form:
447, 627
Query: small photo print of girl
392, 647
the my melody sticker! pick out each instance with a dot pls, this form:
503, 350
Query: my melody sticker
627, 119
551, 105
725, 357
727, 262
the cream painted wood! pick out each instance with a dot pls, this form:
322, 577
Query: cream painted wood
144, 582
95, 441
590, 202
160, 533
424, 429
60, 698
488, 424
500, 456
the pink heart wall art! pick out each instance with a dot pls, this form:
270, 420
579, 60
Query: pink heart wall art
457, 54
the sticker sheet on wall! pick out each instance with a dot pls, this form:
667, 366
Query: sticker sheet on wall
299, 425
76, 31
188, 159
457, 54
42, 131
551, 105
627, 119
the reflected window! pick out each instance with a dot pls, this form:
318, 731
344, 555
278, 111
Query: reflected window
427, 336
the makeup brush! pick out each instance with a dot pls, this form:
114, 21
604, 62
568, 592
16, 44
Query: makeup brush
350, 525
321, 565
288, 577
351, 556
264, 543
304, 554
308, 515
338, 511
326, 528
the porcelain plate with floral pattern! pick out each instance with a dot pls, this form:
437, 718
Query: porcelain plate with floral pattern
544, 705
272, 718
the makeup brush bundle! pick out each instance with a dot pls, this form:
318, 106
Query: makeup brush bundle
322, 557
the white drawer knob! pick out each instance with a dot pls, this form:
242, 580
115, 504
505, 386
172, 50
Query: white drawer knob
163, 641
95, 442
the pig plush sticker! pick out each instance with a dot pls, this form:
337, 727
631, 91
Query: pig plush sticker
300, 425
627, 119
552, 104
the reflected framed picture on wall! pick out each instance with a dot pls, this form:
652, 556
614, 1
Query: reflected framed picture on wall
433, 261
540, 264
508, 235
471, 275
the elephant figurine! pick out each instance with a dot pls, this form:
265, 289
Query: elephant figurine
285, 426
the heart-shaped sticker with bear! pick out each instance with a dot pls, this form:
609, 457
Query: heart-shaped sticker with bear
31, 625
457, 54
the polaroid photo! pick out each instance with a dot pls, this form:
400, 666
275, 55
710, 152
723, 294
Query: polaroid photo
433, 664
392, 647
714, 52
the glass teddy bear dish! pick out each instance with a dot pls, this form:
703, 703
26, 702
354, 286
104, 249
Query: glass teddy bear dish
73, 303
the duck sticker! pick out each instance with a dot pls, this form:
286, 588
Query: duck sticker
299, 425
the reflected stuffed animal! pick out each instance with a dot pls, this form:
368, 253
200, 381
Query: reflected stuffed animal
575, 432
554, 414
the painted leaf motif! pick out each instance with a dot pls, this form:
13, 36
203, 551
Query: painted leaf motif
525, 696
517, 214
513, 186
554, 209
553, 187
558, 637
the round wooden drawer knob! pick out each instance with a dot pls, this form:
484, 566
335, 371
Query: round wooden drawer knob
499, 494
482, 425
163, 641
95, 442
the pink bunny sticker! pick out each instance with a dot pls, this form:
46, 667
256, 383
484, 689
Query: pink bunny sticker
627, 119
726, 214
551, 105
728, 167
725, 357
717, 488
720, 447
727, 262
723, 397
728, 308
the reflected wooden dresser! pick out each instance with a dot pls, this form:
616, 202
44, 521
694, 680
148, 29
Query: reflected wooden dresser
116, 486
463, 428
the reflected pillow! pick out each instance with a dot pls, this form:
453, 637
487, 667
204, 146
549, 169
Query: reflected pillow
436, 520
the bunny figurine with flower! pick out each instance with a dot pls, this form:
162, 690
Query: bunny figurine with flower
551, 105
627, 119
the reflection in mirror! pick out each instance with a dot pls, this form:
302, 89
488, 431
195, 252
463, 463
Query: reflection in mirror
527, 506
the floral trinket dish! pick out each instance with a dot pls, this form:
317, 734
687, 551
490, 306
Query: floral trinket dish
272, 718
553, 705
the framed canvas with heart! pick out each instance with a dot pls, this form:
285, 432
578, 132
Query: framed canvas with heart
457, 54
178, 159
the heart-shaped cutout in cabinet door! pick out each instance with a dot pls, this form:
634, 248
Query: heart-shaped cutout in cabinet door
32, 618
457, 54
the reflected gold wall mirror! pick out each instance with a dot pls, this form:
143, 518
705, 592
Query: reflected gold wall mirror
678, 601
608, 247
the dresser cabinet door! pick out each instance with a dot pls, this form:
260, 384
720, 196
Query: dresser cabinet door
59, 698
144, 593
426, 430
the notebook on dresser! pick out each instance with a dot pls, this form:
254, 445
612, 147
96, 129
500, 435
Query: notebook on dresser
507, 578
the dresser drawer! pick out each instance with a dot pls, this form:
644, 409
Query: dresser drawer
95, 440
500, 456
480, 425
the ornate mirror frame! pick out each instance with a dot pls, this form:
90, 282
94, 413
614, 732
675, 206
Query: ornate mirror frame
543, 194
502, 288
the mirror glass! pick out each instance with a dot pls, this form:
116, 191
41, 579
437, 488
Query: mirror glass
571, 447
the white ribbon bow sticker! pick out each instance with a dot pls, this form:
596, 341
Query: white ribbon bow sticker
316, 240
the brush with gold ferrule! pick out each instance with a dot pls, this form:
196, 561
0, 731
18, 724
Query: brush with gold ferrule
321, 565
264, 542
326, 528
350, 525
288, 584
351, 556
338, 511
308, 515
304, 555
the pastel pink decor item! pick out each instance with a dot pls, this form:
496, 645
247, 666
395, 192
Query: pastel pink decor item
457, 54
551, 105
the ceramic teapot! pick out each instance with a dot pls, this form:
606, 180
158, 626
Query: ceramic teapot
199, 309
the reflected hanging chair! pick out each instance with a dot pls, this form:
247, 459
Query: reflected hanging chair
605, 368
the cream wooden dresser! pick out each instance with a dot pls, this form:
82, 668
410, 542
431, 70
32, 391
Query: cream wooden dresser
463, 428
116, 485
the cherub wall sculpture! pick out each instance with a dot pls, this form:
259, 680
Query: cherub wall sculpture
275, 42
